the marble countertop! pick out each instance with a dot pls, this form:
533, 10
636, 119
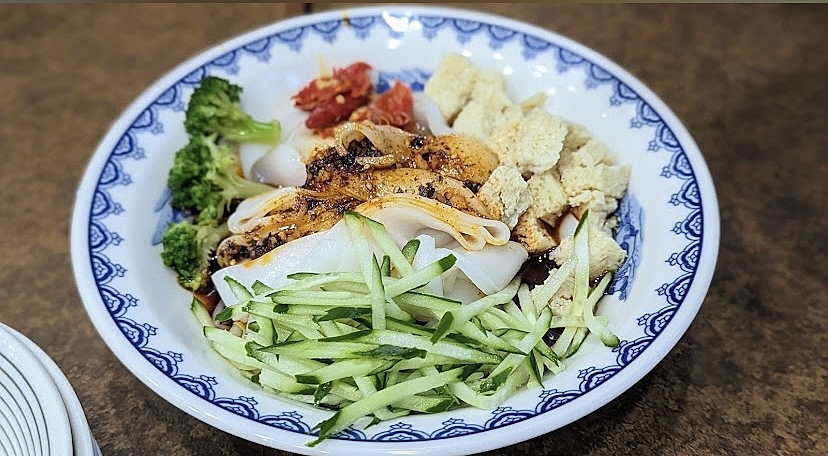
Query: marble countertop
749, 82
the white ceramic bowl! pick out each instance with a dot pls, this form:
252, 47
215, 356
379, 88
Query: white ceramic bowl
670, 222
83, 443
36, 420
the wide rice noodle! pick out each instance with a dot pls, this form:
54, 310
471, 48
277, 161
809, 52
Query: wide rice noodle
486, 259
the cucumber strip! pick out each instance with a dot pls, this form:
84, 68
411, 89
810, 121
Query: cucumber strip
302, 323
563, 321
581, 291
409, 250
550, 359
527, 304
385, 267
317, 396
512, 360
392, 324
354, 287
310, 280
252, 375
260, 330
427, 301
509, 321
392, 377
430, 360
544, 292
388, 246
385, 414
382, 398
492, 322
553, 363
573, 336
260, 288
237, 311
487, 338
230, 346
420, 277
536, 335
328, 401
595, 326
310, 310
536, 363
329, 277
577, 339
377, 298
453, 319
425, 404
562, 344
394, 311
346, 328
320, 349
512, 336
359, 243
515, 312
427, 371
329, 329
245, 370
296, 335
343, 369
200, 313
300, 276
368, 386
567, 343
320, 298
490, 401
343, 313
395, 352
448, 348
420, 330
239, 291
233, 312
289, 365
283, 383
346, 391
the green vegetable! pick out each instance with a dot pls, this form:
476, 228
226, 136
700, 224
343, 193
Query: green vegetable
383, 398
188, 248
204, 179
214, 109
374, 346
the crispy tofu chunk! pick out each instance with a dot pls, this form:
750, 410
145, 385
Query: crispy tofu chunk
532, 144
489, 107
576, 136
592, 181
506, 195
533, 233
451, 84
549, 199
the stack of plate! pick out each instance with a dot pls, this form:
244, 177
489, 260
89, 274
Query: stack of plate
40, 414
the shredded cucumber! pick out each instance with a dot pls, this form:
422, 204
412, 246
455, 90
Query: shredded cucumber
374, 346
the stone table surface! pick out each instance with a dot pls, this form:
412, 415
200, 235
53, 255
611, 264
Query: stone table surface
749, 82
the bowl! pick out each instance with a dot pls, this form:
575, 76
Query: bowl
33, 415
83, 443
669, 223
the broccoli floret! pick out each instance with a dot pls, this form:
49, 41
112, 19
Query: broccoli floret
214, 108
188, 249
204, 179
